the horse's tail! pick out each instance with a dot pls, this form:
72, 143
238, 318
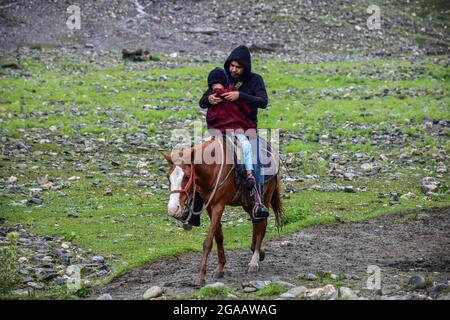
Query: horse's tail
276, 204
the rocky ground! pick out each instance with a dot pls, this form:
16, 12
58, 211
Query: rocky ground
46, 262
302, 29
321, 262
82, 174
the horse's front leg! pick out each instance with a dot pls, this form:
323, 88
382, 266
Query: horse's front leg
218, 272
259, 230
215, 215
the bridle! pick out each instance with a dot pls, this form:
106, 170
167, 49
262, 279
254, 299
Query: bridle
188, 184
191, 196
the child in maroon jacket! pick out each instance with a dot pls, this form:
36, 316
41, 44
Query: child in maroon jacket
227, 115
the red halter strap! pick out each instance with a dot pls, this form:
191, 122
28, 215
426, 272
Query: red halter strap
188, 184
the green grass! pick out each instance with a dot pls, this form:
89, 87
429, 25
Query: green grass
344, 100
271, 290
219, 292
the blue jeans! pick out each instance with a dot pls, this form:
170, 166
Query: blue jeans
246, 150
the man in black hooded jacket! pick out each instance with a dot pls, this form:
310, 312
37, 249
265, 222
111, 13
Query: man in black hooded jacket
251, 86
252, 91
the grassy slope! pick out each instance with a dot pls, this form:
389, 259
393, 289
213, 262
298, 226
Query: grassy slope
133, 226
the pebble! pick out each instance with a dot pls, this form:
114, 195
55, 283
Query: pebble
417, 282
349, 176
215, 285
438, 290
310, 277
12, 179
153, 292
98, 259
294, 292
105, 296
347, 294
260, 284
37, 200
249, 289
327, 292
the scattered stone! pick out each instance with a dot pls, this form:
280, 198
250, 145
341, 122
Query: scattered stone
36, 200
441, 168
249, 289
285, 243
334, 276
260, 284
311, 277
349, 189
294, 292
367, 167
409, 195
327, 292
349, 176
417, 282
394, 198
12, 180
439, 289
72, 214
105, 296
347, 294
207, 30
153, 292
215, 285
98, 259
430, 184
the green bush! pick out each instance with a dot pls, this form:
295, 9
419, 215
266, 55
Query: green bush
9, 275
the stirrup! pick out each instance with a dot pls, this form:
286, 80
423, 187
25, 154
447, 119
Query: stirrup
260, 212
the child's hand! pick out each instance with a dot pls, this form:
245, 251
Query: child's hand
230, 96
212, 99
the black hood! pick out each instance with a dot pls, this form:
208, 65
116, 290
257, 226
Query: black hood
242, 55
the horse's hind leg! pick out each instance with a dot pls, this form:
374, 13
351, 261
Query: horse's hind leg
218, 272
259, 230
262, 253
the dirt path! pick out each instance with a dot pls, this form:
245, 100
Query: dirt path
401, 248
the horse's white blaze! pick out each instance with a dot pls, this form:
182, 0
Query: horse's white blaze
175, 178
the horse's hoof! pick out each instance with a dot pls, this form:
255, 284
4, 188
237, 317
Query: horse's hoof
199, 282
262, 255
253, 268
218, 274
186, 227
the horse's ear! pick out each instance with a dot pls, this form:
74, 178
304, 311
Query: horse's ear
167, 157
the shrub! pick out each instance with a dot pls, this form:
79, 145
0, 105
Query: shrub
9, 275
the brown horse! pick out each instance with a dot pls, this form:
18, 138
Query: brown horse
216, 184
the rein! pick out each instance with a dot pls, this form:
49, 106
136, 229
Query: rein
191, 181
188, 184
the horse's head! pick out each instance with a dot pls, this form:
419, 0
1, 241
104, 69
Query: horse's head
181, 178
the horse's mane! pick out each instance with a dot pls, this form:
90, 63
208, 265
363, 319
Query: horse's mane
187, 152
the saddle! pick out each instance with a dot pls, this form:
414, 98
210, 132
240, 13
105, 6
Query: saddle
265, 165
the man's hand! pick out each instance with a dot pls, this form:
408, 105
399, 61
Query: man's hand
212, 99
231, 96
